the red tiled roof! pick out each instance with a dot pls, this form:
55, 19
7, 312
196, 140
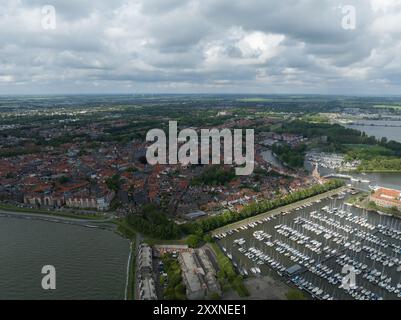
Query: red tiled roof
74, 186
389, 195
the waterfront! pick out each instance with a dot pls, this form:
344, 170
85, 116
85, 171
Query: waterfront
362, 180
90, 263
387, 180
321, 237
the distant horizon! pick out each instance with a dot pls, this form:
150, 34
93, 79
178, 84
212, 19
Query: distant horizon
199, 94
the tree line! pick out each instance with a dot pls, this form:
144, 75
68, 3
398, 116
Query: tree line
153, 222
255, 208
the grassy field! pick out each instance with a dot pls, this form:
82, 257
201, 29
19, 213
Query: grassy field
255, 100
124, 229
358, 198
154, 242
367, 147
366, 152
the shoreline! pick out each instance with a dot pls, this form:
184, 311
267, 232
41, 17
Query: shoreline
375, 211
57, 219
129, 266
369, 171
60, 214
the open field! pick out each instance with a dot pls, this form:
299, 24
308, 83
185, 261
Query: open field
255, 100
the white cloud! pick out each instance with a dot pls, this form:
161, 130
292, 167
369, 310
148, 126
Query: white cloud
6, 78
259, 47
385, 5
237, 47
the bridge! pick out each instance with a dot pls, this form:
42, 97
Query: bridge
338, 175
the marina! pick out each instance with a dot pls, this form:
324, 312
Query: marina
311, 247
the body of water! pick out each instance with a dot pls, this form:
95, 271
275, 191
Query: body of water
379, 128
387, 180
269, 157
90, 263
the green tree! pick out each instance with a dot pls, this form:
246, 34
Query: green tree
114, 182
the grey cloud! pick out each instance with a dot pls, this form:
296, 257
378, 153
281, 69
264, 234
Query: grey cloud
161, 6
225, 45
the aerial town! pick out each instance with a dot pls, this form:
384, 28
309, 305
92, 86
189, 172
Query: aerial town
85, 161
60, 166
199, 158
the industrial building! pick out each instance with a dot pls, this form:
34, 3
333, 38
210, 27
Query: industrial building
146, 283
198, 274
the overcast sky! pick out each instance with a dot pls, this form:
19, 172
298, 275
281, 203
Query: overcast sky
201, 46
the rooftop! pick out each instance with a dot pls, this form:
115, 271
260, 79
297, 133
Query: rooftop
389, 195
195, 215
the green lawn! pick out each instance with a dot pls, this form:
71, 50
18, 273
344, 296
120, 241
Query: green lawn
358, 198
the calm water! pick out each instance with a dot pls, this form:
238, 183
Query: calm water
269, 157
387, 180
90, 263
389, 129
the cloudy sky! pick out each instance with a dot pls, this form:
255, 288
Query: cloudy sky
201, 46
